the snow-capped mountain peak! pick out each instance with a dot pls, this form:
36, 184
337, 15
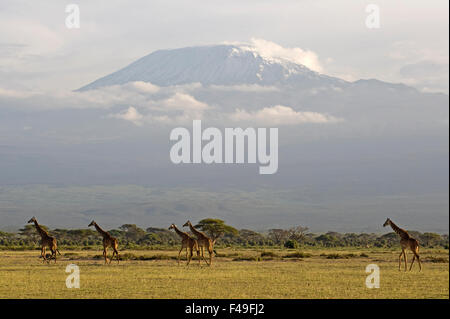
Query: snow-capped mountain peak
225, 64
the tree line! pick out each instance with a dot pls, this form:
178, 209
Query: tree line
133, 237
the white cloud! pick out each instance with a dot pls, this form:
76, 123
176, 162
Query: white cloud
180, 108
177, 108
182, 101
272, 51
281, 115
144, 87
131, 114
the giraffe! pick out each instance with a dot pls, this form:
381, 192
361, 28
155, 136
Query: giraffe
108, 241
203, 242
406, 241
186, 242
46, 241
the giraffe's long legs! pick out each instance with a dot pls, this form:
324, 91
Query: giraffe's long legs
203, 256
412, 262
190, 256
179, 253
105, 254
418, 260
210, 251
54, 253
400, 260
45, 255
406, 263
44, 259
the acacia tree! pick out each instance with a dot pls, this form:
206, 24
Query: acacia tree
297, 233
250, 237
132, 232
215, 228
278, 235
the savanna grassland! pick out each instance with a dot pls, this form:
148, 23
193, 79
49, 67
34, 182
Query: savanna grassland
235, 273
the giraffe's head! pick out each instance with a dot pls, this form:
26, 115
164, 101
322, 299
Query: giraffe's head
387, 222
91, 224
187, 223
172, 226
32, 220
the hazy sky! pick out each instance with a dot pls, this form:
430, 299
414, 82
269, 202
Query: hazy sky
38, 52
354, 153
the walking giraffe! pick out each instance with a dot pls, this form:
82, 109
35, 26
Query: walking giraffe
406, 241
203, 242
186, 242
108, 241
46, 241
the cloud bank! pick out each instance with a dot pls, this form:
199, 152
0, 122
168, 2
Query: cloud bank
141, 103
281, 115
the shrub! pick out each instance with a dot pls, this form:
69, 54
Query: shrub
292, 244
297, 254
334, 256
247, 258
70, 254
268, 254
437, 259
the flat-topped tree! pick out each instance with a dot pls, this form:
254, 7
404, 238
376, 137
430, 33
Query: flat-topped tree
108, 241
215, 228
46, 240
133, 232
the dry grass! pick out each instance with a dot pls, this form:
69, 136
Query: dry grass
235, 274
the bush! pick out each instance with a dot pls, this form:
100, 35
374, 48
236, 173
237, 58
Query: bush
436, 259
292, 244
268, 254
297, 254
249, 258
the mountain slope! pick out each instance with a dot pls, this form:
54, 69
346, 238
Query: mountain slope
218, 65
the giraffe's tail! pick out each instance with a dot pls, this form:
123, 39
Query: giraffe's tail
57, 250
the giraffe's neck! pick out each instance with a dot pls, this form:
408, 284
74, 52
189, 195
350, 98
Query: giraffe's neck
401, 232
195, 231
101, 231
179, 232
40, 230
